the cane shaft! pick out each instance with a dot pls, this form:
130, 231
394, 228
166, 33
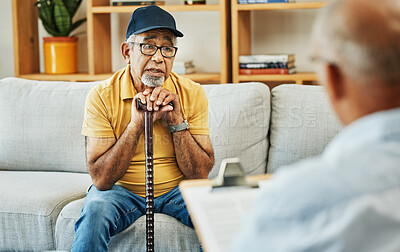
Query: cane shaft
148, 136
148, 125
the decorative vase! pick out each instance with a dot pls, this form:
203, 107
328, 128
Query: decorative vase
60, 55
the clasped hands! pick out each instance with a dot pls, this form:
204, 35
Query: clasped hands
157, 100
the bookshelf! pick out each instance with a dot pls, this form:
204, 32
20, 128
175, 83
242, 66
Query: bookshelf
241, 39
26, 45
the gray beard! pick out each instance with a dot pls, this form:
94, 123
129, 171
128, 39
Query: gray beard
152, 81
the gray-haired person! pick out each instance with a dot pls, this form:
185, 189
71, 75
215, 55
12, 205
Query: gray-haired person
348, 198
115, 141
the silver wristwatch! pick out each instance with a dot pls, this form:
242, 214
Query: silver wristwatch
179, 127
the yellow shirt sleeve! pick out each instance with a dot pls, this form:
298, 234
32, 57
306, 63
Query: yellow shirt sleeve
96, 122
198, 120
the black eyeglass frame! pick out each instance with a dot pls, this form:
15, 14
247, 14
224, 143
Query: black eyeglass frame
158, 47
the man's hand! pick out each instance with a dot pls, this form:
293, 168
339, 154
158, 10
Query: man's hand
194, 153
157, 100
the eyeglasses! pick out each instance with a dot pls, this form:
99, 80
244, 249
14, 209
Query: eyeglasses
150, 50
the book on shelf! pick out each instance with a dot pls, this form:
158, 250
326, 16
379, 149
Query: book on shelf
264, 1
280, 1
142, 2
289, 64
183, 67
184, 70
183, 63
261, 71
265, 58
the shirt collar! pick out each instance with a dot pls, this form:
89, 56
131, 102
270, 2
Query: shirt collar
373, 127
128, 91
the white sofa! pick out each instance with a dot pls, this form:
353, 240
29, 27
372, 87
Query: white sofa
43, 176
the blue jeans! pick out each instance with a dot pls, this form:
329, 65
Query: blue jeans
105, 213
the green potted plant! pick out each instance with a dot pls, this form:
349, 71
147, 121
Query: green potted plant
60, 51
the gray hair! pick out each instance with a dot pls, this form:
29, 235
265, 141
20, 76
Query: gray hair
130, 40
346, 38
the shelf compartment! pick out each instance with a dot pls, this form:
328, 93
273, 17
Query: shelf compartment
211, 78
98, 12
299, 78
169, 8
242, 39
281, 6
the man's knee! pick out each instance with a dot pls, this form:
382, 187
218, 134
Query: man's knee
99, 205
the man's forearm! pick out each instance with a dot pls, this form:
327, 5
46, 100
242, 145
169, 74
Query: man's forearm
193, 160
113, 164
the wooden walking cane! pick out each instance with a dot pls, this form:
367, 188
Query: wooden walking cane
148, 138
148, 143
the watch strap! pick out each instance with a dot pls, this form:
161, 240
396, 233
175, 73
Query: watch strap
178, 127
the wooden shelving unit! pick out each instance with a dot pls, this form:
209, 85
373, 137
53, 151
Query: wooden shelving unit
26, 45
235, 40
241, 39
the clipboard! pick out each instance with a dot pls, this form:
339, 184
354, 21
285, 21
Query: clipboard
218, 206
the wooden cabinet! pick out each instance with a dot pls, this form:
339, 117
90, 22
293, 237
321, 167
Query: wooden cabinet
26, 46
241, 39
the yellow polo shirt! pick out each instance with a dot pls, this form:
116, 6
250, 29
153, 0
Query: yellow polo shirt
108, 112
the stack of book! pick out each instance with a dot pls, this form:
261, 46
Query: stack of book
264, 1
267, 64
183, 67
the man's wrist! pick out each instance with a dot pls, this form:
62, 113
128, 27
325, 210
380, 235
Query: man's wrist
175, 120
135, 126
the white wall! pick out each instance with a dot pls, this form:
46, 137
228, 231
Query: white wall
273, 32
286, 31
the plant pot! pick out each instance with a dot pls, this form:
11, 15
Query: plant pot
60, 55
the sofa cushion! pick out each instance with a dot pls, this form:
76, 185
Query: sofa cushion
302, 124
168, 233
30, 204
238, 122
40, 125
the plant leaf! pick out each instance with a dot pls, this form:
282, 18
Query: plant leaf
78, 3
62, 18
45, 11
78, 23
71, 6
51, 30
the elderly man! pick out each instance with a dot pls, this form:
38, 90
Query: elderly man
347, 199
114, 131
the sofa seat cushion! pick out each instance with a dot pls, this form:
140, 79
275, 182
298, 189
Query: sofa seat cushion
238, 116
302, 124
30, 204
170, 234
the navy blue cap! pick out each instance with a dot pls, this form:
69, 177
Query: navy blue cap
151, 17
